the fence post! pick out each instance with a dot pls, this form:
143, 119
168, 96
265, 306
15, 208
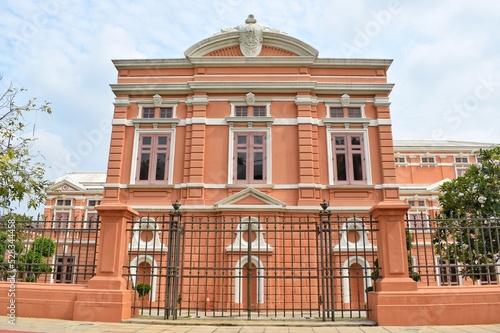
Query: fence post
391, 244
106, 298
173, 261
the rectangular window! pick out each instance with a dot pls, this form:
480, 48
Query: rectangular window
153, 158
64, 269
400, 159
250, 157
259, 111
250, 111
66, 202
241, 111
448, 272
461, 160
354, 112
336, 113
148, 112
461, 171
418, 221
166, 112
93, 203
488, 274
348, 156
61, 220
428, 160
92, 218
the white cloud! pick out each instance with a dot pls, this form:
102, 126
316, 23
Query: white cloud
61, 51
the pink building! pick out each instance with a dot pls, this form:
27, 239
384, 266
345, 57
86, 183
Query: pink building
250, 132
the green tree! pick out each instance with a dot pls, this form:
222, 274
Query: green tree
467, 228
22, 177
34, 262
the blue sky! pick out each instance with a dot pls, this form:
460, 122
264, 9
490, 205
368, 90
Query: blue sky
446, 59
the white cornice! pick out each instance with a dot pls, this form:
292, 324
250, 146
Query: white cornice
254, 86
275, 121
121, 101
251, 62
351, 62
243, 61
353, 88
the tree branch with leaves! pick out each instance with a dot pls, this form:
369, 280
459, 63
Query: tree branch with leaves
467, 230
22, 177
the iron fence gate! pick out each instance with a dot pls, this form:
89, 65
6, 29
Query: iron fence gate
251, 266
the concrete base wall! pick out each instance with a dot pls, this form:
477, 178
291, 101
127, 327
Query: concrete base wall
70, 302
466, 305
41, 300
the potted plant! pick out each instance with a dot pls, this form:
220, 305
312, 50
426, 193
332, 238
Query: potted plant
143, 289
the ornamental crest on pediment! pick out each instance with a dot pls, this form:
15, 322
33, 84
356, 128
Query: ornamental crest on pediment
250, 37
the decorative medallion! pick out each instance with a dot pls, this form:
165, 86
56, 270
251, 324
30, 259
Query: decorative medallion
345, 100
250, 98
250, 37
157, 100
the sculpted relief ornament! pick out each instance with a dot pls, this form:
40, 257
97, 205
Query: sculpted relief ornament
251, 36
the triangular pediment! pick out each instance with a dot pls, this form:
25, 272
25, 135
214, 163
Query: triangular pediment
66, 186
250, 198
436, 186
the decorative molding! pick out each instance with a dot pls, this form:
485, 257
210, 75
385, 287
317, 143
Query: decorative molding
157, 100
345, 100
381, 101
121, 101
250, 98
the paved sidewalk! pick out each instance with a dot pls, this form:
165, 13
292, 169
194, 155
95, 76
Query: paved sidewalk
54, 325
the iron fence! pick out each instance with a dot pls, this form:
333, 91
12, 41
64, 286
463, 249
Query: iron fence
251, 266
47, 250
454, 251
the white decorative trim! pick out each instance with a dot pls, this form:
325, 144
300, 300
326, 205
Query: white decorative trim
232, 131
345, 100
366, 148
257, 245
154, 272
133, 170
121, 101
365, 276
249, 191
123, 122
238, 278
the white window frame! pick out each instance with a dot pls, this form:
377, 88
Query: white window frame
428, 156
268, 163
399, 162
345, 110
331, 168
459, 171
68, 221
135, 154
267, 105
157, 111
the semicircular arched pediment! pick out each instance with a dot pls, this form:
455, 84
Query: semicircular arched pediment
250, 40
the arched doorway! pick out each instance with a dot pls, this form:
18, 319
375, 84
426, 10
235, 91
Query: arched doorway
356, 286
356, 273
249, 285
144, 273
249, 273
144, 269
